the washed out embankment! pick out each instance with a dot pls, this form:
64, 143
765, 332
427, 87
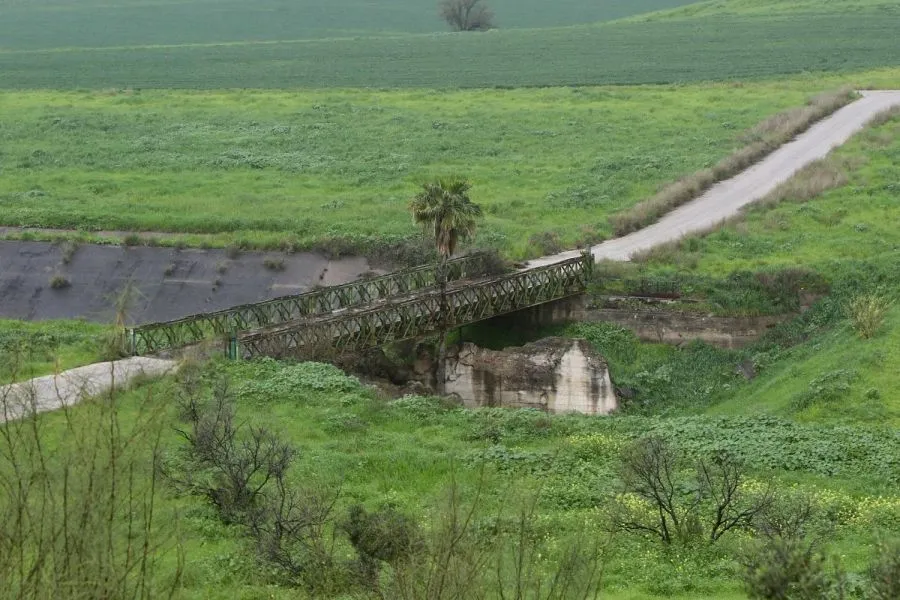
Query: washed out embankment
55, 281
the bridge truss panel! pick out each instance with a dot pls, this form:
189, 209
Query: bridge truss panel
422, 315
155, 337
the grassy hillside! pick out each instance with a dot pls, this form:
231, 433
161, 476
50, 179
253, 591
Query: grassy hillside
850, 234
30, 349
403, 454
549, 166
784, 8
93, 24
704, 48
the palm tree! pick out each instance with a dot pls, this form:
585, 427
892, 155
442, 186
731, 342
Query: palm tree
444, 207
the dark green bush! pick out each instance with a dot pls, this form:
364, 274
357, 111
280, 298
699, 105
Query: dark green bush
791, 569
884, 574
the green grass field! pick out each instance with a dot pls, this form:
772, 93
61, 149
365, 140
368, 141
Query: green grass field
676, 51
53, 24
819, 419
772, 7
312, 165
31, 349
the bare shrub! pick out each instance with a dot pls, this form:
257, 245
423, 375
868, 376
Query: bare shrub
867, 313
295, 531
78, 506
116, 343
762, 140
458, 561
675, 506
228, 469
242, 472
466, 15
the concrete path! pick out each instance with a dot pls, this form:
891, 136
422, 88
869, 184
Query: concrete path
727, 198
68, 388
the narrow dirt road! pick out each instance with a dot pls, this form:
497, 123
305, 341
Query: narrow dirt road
726, 199
70, 387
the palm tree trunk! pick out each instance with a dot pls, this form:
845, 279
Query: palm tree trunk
441, 371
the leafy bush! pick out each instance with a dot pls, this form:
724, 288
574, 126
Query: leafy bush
418, 408
867, 313
289, 381
884, 574
500, 424
546, 242
382, 536
59, 282
829, 387
790, 568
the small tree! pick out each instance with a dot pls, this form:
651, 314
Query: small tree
680, 504
466, 15
444, 207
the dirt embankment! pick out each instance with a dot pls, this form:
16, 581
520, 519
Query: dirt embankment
61, 281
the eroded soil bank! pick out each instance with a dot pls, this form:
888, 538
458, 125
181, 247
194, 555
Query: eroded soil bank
41, 280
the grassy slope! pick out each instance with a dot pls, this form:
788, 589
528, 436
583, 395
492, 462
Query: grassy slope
719, 46
403, 454
859, 222
35, 349
88, 23
785, 8
316, 164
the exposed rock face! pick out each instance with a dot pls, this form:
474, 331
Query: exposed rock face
557, 375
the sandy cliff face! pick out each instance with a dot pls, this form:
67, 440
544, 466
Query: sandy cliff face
556, 375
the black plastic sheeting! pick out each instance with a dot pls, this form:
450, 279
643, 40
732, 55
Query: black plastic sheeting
171, 283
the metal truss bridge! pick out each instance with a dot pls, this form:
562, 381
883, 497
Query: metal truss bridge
398, 306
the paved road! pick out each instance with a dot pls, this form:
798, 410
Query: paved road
70, 387
726, 199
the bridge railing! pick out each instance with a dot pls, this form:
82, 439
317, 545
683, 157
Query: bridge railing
154, 337
419, 316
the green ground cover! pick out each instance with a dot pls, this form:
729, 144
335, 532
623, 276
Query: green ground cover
858, 220
402, 453
91, 24
851, 235
308, 166
32, 349
672, 51
773, 7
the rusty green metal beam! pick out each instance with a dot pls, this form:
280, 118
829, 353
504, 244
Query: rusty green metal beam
155, 337
418, 315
